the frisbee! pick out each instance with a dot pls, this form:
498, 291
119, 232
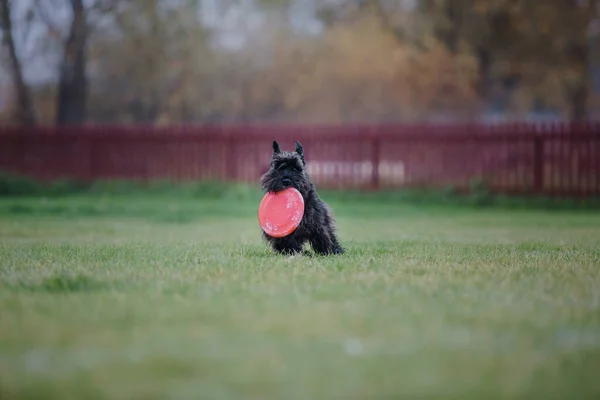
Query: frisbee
279, 214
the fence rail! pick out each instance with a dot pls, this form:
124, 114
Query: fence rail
550, 159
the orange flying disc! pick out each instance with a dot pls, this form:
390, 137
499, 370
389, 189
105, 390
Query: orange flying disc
279, 214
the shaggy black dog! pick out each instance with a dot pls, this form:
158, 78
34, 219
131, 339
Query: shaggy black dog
317, 226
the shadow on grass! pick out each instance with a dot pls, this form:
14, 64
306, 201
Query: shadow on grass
60, 283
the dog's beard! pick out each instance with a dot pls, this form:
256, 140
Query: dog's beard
272, 182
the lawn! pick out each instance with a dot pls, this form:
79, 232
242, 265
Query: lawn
141, 296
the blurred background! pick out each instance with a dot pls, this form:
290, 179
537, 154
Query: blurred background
373, 71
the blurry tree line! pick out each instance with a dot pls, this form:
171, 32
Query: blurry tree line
158, 61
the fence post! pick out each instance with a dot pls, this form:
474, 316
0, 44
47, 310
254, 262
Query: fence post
231, 157
538, 164
375, 158
87, 150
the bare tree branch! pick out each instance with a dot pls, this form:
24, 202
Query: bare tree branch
43, 14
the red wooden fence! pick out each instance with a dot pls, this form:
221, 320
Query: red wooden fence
550, 159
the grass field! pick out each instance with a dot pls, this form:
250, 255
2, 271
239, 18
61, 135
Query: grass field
135, 296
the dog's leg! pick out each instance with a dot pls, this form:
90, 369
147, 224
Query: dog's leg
321, 244
335, 244
286, 246
337, 247
325, 243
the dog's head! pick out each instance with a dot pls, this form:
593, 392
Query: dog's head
287, 170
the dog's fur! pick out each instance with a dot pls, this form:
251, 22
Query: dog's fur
317, 226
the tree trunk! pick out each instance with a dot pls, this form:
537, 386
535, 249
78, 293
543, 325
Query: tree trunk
484, 62
578, 103
72, 90
25, 112
580, 54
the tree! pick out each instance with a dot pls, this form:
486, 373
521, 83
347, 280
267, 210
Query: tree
72, 86
530, 54
151, 66
24, 111
537, 52
359, 71
67, 41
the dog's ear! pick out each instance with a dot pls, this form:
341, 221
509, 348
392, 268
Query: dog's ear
300, 151
276, 149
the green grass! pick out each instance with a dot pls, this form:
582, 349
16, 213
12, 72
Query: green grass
164, 296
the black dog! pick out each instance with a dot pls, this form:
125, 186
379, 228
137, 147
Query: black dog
317, 226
